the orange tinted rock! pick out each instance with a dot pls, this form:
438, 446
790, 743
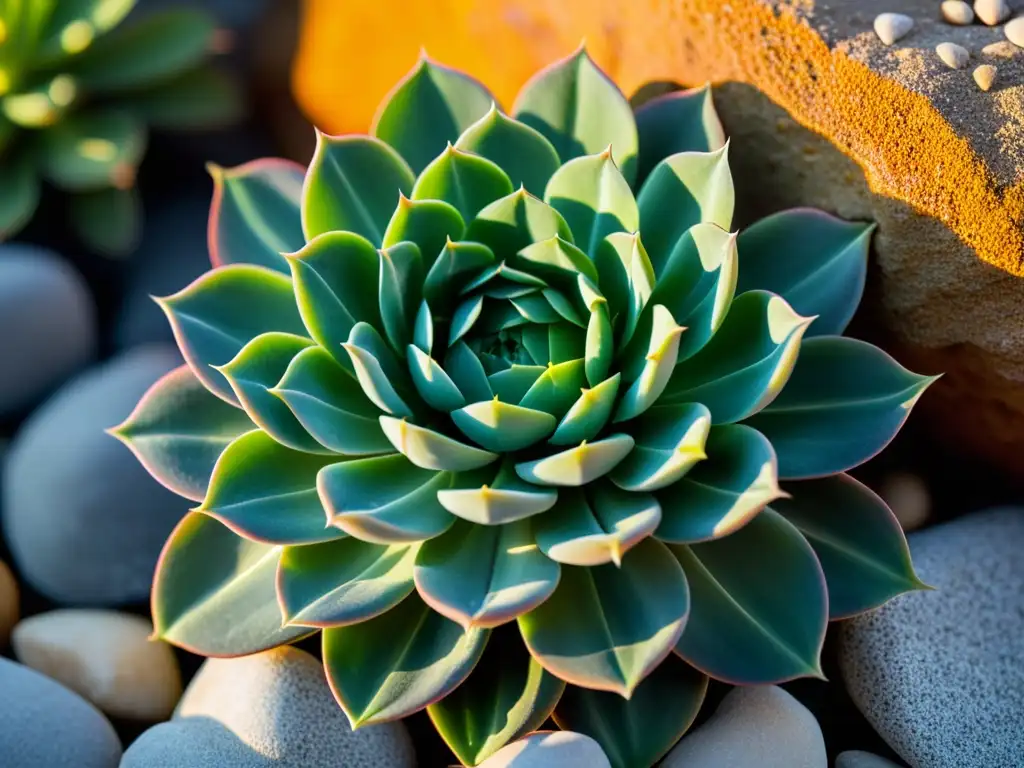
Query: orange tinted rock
816, 104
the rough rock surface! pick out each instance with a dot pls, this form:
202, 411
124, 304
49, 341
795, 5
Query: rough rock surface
545, 749
895, 136
938, 674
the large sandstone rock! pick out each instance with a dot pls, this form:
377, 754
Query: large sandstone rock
820, 112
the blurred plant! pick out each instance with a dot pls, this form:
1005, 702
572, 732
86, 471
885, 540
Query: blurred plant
78, 92
413, 426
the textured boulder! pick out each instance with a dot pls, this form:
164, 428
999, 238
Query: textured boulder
894, 135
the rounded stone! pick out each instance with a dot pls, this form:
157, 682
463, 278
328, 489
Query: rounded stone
44, 725
193, 742
908, 497
891, 27
550, 749
49, 322
953, 56
938, 673
105, 657
278, 704
1014, 31
957, 12
857, 759
992, 12
84, 521
985, 76
9, 602
761, 725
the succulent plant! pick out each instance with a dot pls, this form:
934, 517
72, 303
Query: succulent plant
500, 405
78, 92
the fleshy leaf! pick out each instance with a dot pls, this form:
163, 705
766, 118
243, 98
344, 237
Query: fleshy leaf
429, 108
683, 190
266, 492
637, 731
843, 404
502, 427
815, 261
597, 527
178, 430
511, 384
434, 385
214, 594
520, 151
594, 198
213, 318
505, 499
432, 450
682, 121
484, 575
605, 627
589, 414
469, 376
330, 405
455, 265
342, 582
353, 185
255, 215
580, 465
94, 150
199, 99
858, 541
384, 500
376, 369
257, 367
466, 181
760, 624
515, 221
669, 442
401, 284
725, 491
580, 111
555, 390
19, 194
73, 25
428, 223
659, 365
397, 663
507, 696
626, 278
746, 364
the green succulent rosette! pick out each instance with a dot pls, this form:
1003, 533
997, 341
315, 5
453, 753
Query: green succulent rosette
501, 406
79, 92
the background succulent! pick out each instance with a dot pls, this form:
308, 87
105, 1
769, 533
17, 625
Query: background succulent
78, 92
501, 406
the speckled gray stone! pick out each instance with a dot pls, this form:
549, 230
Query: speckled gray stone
279, 705
84, 521
857, 759
49, 324
754, 727
192, 742
44, 725
546, 749
939, 674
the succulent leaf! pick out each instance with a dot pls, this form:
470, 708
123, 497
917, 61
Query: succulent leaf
580, 111
641, 729
341, 582
681, 121
429, 449
200, 99
266, 492
178, 430
670, 440
857, 539
398, 662
516, 221
580, 465
94, 151
255, 215
820, 271
431, 106
607, 627
521, 152
19, 194
466, 181
431, 224
504, 499
212, 318
352, 185
845, 401
214, 591
507, 696
744, 625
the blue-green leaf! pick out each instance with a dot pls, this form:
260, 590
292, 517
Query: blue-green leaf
401, 287
580, 465
682, 121
432, 450
669, 442
520, 151
428, 223
466, 181
496, 499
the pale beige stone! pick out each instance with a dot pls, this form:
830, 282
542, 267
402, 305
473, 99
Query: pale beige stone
106, 657
1014, 31
8, 603
908, 497
953, 56
957, 12
890, 27
550, 749
1002, 49
985, 76
992, 12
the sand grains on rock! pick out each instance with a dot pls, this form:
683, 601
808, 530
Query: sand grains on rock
890, 27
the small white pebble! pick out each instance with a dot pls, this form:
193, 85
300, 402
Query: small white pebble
953, 55
908, 498
957, 12
890, 27
985, 76
1014, 31
1003, 49
992, 12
